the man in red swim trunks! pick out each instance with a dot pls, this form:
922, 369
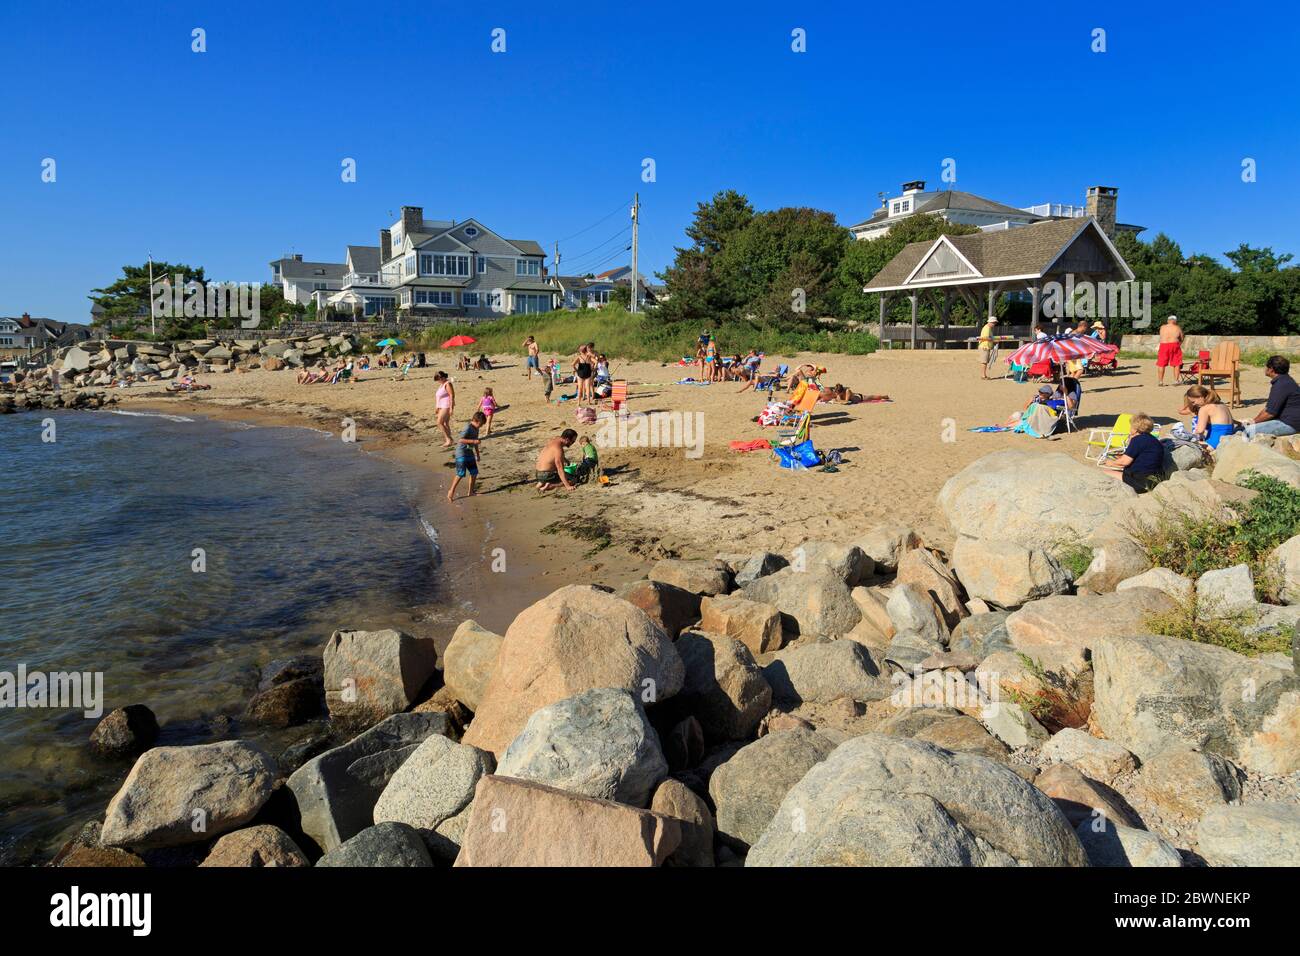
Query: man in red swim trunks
1171, 349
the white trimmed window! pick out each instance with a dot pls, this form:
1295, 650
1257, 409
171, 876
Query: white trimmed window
492, 300
435, 297
482, 264
471, 231
437, 264
469, 298
528, 267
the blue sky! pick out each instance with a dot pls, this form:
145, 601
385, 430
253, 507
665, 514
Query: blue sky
230, 158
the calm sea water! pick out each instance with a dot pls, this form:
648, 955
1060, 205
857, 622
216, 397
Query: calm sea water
300, 534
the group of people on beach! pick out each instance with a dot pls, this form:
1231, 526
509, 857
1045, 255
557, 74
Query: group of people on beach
468, 443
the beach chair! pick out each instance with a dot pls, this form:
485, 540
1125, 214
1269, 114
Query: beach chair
1109, 441
617, 401
1225, 362
1098, 364
804, 406
1188, 371
406, 367
1041, 371
342, 375
770, 380
794, 436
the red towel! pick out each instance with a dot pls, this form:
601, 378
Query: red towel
757, 444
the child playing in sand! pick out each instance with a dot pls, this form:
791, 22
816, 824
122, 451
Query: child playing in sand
467, 455
548, 380
488, 406
590, 458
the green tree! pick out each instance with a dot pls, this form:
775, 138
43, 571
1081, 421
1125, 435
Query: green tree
126, 302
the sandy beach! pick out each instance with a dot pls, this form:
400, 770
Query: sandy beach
662, 502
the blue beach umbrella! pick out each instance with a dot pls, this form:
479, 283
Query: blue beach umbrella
384, 342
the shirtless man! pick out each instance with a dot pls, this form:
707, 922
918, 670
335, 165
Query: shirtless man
534, 358
1171, 348
550, 462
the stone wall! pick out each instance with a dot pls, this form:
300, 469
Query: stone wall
1282, 344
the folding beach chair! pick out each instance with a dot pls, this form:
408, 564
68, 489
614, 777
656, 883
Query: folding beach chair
406, 367
1041, 371
804, 406
1188, 371
1225, 362
794, 436
342, 375
766, 382
617, 401
1112, 440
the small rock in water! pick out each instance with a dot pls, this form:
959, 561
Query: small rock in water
125, 732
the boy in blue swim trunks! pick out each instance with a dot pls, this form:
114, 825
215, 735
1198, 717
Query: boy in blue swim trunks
467, 454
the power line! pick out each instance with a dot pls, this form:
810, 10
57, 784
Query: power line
597, 249
580, 232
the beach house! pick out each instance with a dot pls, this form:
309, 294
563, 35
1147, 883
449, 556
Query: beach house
955, 206
426, 268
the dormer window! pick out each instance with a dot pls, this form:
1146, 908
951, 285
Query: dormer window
900, 206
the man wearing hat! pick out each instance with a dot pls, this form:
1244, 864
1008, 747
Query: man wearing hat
987, 349
1098, 331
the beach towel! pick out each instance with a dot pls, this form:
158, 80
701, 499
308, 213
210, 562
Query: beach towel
992, 428
1037, 421
758, 444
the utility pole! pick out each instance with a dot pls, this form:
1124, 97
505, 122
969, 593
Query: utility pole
152, 329
555, 259
636, 217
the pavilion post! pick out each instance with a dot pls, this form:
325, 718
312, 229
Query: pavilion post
913, 297
883, 308
1035, 292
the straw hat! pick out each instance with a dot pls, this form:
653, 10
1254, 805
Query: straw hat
1098, 325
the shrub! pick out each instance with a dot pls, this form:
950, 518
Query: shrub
1192, 545
1191, 621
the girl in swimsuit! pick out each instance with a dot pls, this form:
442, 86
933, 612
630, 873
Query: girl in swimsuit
1213, 420
582, 370
446, 404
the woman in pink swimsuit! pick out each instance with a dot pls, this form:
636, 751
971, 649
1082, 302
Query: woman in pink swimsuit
446, 404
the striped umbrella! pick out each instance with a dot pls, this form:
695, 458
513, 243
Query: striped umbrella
1060, 349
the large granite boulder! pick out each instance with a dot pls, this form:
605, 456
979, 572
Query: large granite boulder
925, 569
1186, 783
1007, 574
669, 606
1113, 844
1252, 834
886, 543
817, 600
1226, 591
258, 846
1179, 588
288, 693
674, 799
335, 792
576, 639
1102, 760
1284, 563
755, 624
882, 800
1235, 456
370, 675
824, 671
1059, 632
724, 690
848, 562
385, 845
597, 743
1113, 560
912, 610
431, 788
1029, 498
469, 661
749, 787
179, 795
522, 823
1154, 692
698, 576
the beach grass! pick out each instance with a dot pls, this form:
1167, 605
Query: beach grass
645, 338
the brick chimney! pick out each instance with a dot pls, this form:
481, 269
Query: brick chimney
385, 245
1100, 205
412, 219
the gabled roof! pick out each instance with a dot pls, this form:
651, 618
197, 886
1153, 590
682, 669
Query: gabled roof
1027, 252
570, 283
941, 200
297, 269
364, 258
527, 247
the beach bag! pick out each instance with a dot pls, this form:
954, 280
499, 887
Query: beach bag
585, 416
802, 455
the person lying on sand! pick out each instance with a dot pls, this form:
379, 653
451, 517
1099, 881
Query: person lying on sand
550, 462
840, 395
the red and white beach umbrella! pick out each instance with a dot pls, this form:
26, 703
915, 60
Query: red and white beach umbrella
1060, 349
